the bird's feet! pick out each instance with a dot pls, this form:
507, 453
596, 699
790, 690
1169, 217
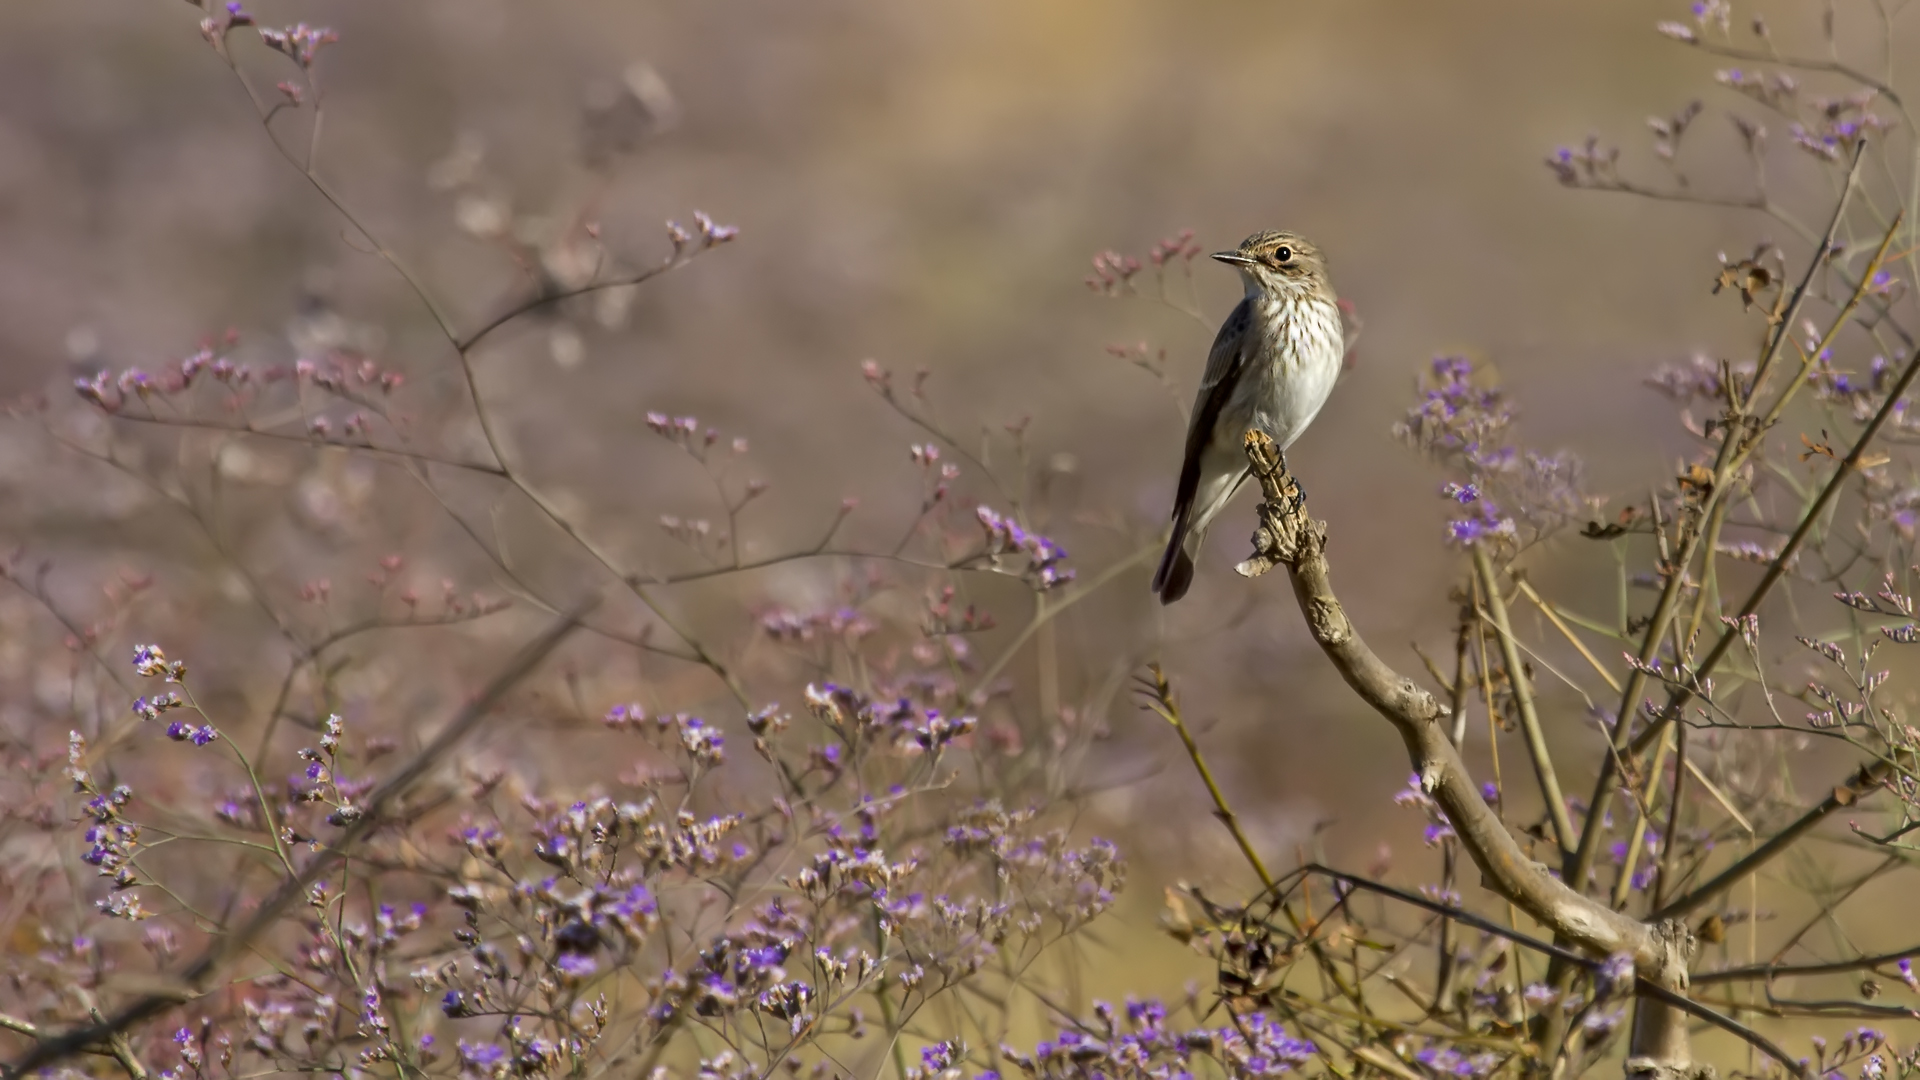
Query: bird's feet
1298, 503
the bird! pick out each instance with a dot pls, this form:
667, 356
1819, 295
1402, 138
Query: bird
1272, 367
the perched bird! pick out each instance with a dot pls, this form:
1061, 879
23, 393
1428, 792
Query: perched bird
1272, 366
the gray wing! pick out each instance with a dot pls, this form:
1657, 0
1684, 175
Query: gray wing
1224, 364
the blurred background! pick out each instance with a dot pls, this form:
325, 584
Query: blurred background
922, 185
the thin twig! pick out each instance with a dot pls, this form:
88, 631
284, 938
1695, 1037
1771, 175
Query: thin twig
1159, 698
1643, 986
1736, 445
1518, 683
1848, 792
1786, 971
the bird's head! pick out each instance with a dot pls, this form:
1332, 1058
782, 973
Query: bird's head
1282, 263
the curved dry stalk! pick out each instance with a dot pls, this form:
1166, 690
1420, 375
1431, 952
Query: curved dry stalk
1158, 694
1517, 679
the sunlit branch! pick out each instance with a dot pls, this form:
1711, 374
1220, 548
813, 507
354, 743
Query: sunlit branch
1288, 537
1642, 985
1522, 689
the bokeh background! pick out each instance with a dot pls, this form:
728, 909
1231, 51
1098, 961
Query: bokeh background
923, 185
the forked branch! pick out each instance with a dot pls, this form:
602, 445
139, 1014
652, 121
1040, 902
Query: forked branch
1287, 536
1661, 950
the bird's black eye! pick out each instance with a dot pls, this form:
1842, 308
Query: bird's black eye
1282, 254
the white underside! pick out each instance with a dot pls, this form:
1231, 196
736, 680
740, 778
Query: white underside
1280, 394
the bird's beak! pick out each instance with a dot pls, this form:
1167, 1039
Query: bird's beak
1232, 258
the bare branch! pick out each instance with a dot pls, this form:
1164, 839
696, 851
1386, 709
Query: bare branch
1805, 63
1739, 441
114, 1046
308, 441
554, 296
1783, 971
1287, 536
1777, 569
1642, 985
1523, 699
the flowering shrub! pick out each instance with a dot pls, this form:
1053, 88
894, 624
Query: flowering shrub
1465, 426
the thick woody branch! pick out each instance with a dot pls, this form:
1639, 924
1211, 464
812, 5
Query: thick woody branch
1643, 986
1287, 536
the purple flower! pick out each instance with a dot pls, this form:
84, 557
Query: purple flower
1615, 975
1146, 1014
1006, 537
1462, 424
941, 1055
1487, 525
149, 661
766, 956
482, 1055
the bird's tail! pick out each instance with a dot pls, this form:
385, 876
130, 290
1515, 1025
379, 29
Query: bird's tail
1170, 581
1190, 522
